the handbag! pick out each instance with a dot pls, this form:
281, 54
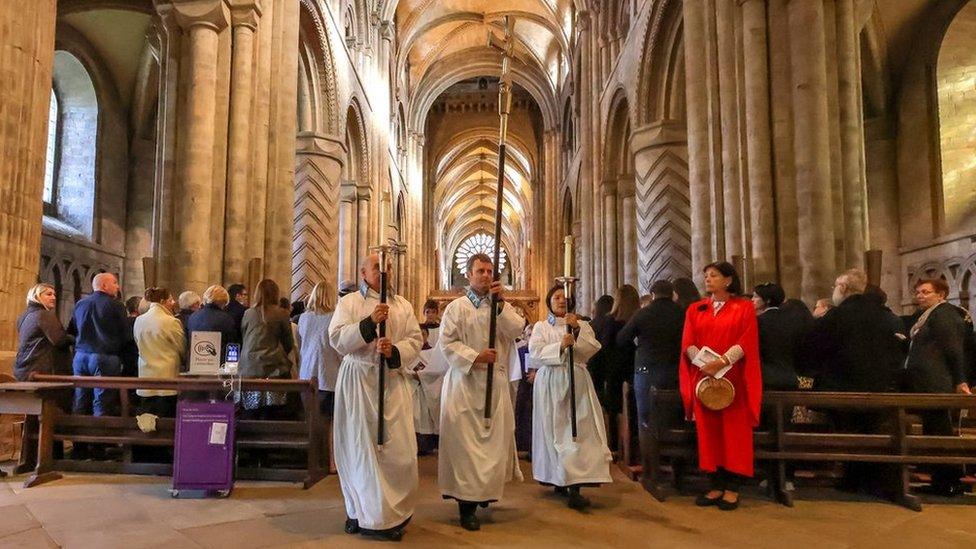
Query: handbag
715, 393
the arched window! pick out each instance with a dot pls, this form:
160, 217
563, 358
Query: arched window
69, 181
479, 243
51, 161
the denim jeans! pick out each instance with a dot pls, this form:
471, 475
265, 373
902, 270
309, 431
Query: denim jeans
99, 402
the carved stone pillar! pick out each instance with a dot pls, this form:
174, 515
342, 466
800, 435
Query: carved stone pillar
26, 63
201, 21
363, 195
696, 91
244, 19
318, 168
610, 264
812, 147
664, 212
761, 205
628, 231
347, 231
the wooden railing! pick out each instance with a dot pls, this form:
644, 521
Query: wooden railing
303, 434
780, 442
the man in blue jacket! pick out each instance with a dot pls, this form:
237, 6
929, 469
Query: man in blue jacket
99, 320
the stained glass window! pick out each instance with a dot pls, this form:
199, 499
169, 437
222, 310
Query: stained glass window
479, 243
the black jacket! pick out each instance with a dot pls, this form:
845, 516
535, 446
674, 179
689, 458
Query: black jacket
936, 359
779, 338
856, 346
236, 312
658, 328
100, 323
43, 345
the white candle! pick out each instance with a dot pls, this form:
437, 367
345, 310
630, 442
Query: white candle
568, 256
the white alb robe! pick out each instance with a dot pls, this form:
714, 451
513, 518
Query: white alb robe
556, 458
475, 462
379, 486
426, 384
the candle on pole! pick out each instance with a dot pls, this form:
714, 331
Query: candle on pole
568, 256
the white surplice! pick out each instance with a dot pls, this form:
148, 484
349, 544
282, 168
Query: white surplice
379, 486
556, 458
475, 462
426, 385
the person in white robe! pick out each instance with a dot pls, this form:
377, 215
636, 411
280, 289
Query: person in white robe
475, 460
427, 378
557, 459
379, 484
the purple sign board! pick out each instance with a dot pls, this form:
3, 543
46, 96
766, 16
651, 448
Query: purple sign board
204, 453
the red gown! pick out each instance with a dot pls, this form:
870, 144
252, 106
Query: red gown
724, 437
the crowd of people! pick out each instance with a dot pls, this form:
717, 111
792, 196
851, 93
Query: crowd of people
435, 385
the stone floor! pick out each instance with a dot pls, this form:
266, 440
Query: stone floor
134, 512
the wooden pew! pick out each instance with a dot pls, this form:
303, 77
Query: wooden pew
896, 442
304, 434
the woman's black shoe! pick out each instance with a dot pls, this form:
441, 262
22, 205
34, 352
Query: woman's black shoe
352, 526
484, 504
561, 490
727, 505
704, 501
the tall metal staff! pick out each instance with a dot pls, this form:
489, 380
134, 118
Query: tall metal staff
504, 106
383, 250
569, 285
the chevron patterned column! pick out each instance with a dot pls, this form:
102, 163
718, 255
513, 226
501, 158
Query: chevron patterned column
318, 168
662, 201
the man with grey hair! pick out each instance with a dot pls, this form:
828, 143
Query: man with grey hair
189, 303
102, 332
857, 346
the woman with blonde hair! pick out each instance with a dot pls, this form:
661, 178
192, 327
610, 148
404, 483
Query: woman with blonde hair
213, 318
43, 344
319, 361
266, 332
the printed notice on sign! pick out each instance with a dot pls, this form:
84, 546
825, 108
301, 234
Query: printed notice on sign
218, 432
204, 353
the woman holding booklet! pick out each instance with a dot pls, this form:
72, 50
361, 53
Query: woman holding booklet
721, 340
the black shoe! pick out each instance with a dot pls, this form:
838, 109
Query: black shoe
704, 501
393, 534
727, 505
484, 504
352, 526
562, 490
577, 502
469, 521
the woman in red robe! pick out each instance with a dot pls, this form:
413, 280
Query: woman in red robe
727, 325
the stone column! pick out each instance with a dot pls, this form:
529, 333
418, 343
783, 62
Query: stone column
363, 195
696, 93
588, 287
318, 169
26, 63
347, 232
664, 213
761, 205
201, 21
628, 231
851, 134
610, 244
784, 174
244, 18
812, 147
728, 108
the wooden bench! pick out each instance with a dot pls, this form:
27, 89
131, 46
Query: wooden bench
304, 434
896, 442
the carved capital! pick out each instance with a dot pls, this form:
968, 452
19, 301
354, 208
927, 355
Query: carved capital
347, 191
584, 19
245, 13
212, 14
363, 192
386, 30
609, 187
